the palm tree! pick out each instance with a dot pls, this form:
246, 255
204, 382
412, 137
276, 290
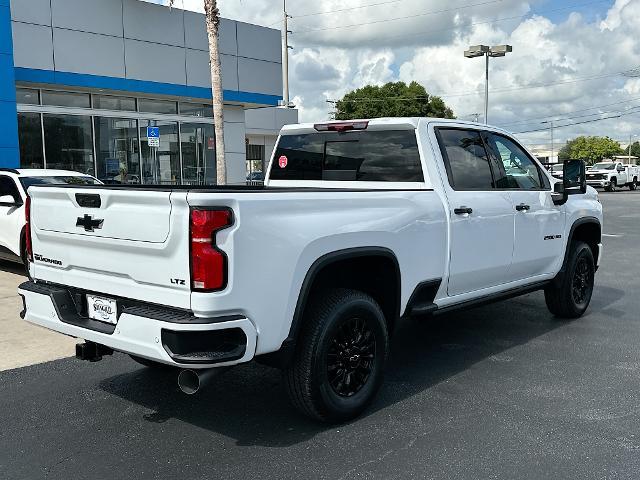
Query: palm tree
212, 15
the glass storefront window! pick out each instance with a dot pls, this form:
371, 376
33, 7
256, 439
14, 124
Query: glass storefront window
30, 137
196, 110
198, 145
117, 150
255, 163
157, 106
27, 96
66, 99
161, 166
110, 102
68, 143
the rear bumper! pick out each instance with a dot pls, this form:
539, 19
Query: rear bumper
186, 342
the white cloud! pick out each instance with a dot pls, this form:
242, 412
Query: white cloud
427, 46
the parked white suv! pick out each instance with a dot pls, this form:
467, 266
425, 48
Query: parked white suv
360, 225
13, 193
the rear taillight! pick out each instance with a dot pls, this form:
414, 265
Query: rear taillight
208, 263
27, 229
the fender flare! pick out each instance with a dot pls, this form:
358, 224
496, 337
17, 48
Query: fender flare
579, 222
288, 345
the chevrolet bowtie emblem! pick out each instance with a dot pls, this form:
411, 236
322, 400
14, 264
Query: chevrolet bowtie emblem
89, 223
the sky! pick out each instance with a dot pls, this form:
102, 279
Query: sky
573, 61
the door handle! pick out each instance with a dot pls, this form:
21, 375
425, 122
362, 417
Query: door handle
463, 211
523, 208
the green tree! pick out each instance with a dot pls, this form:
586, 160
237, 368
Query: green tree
590, 149
635, 149
391, 100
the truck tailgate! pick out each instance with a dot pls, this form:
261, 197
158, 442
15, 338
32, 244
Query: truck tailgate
126, 243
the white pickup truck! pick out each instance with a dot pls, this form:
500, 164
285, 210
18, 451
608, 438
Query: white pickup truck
359, 225
611, 175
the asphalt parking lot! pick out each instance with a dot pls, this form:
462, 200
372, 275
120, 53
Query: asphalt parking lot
502, 391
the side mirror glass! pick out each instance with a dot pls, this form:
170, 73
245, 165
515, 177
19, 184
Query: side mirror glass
574, 178
574, 181
9, 201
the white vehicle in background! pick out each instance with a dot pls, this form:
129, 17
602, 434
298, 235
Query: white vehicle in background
14, 184
360, 224
556, 170
612, 175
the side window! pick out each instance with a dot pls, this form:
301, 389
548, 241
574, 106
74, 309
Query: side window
8, 187
466, 159
516, 169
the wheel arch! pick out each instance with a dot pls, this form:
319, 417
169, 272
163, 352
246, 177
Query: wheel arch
588, 230
359, 269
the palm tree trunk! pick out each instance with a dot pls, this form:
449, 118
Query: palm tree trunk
212, 15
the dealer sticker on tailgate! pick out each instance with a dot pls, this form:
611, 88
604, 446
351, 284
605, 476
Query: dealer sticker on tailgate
102, 309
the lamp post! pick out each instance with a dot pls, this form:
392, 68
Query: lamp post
486, 51
630, 140
553, 145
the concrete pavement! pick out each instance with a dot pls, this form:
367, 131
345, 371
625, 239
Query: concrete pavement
22, 344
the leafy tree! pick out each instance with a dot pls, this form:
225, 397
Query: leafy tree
635, 149
590, 149
391, 100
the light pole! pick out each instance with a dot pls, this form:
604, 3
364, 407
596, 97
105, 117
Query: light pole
486, 51
285, 56
630, 140
553, 145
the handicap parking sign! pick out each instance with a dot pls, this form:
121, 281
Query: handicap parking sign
153, 136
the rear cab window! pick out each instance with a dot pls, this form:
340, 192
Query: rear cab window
388, 156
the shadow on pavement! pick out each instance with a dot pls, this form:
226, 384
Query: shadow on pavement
248, 403
12, 267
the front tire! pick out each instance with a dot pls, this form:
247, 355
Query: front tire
340, 356
571, 297
613, 184
634, 184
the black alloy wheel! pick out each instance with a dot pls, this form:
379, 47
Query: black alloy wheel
351, 357
582, 284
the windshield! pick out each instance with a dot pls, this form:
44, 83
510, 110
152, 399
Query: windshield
604, 166
63, 180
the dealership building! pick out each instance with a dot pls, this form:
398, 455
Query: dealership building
81, 80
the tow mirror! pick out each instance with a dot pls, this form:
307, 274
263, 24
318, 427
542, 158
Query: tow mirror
9, 201
574, 181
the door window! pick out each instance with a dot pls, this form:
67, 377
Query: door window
515, 169
8, 187
161, 166
198, 145
466, 159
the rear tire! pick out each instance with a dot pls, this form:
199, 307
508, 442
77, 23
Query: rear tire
340, 356
570, 297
